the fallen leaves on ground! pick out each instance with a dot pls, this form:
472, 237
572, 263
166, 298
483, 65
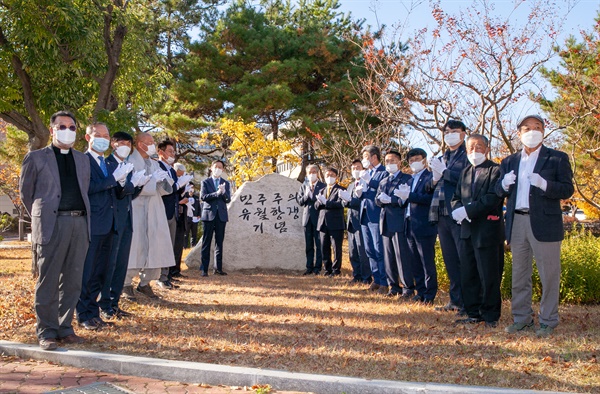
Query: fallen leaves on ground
286, 321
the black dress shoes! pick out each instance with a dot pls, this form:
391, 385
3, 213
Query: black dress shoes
308, 272
48, 344
469, 320
90, 325
219, 272
72, 339
204, 273
178, 275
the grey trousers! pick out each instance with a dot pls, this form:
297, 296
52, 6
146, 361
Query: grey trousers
525, 248
164, 272
60, 269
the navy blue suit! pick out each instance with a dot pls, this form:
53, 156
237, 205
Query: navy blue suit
331, 227
369, 222
310, 217
448, 229
214, 218
398, 267
421, 235
119, 254
361, 270
103, 198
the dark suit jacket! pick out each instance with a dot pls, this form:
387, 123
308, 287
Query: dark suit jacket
310, 212
368, 206
454, 168
544, 207
214, 205
125, 194
171, 200
484, 206
391, 218
420, 200
353, 221
40, 190
102, 196
331, 214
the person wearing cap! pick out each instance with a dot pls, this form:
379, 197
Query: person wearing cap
534, 180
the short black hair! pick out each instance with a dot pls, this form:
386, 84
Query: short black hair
394, 152
122, 136
373, 150
334, 170
163, 145
62, 113
356, 161
218, 161
454, 124
416, 152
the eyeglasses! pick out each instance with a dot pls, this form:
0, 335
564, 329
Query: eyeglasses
63, 127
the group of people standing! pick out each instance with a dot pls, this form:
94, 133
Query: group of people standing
394, 219
99, 221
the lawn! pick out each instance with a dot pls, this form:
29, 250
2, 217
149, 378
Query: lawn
282, 320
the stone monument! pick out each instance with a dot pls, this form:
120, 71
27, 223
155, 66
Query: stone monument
264, 229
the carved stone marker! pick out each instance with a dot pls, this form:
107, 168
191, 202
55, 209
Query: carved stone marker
264, 228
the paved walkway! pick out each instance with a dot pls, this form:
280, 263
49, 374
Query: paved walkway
32, 376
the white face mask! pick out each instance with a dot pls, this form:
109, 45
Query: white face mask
217, 172
476, 158
170, 160
391, 168
312, 178
417, 166
123, 151
366, 163
66, 136
356, 174
151, 150
452, 139
532, 138
330, 180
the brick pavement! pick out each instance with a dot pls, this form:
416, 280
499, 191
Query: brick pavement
32, 376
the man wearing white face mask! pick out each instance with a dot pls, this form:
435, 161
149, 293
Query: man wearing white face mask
104, 182
53, 187
306, 197
478, 210
445, 173
151, 247
535, 180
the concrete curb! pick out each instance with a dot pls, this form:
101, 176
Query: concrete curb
213, 374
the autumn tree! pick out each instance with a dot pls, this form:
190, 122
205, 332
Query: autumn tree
472, 65
576, 108
13, 147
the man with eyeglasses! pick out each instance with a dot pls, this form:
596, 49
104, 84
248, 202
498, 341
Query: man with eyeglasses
53, 186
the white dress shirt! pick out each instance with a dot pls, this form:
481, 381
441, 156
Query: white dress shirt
523, 185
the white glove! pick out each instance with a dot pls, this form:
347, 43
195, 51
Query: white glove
187, 188
366, 177
184, 180
345, 195
537, 181
358, 190
137, 177
384, 198
460, 214
221, 189
307, 191
438, 165
402, 192
160, 175
322, 199
509, 179
122, 170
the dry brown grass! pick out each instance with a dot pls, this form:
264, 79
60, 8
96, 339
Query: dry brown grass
280, 320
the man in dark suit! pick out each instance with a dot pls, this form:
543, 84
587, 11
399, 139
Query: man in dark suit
53, 187
445, 173
166, 153
478, 210
331, 222
361, 270
370, 214
398, 267
420, 232
129, 188
535, 180
215, 193
306, 197
182, 225
104, 181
